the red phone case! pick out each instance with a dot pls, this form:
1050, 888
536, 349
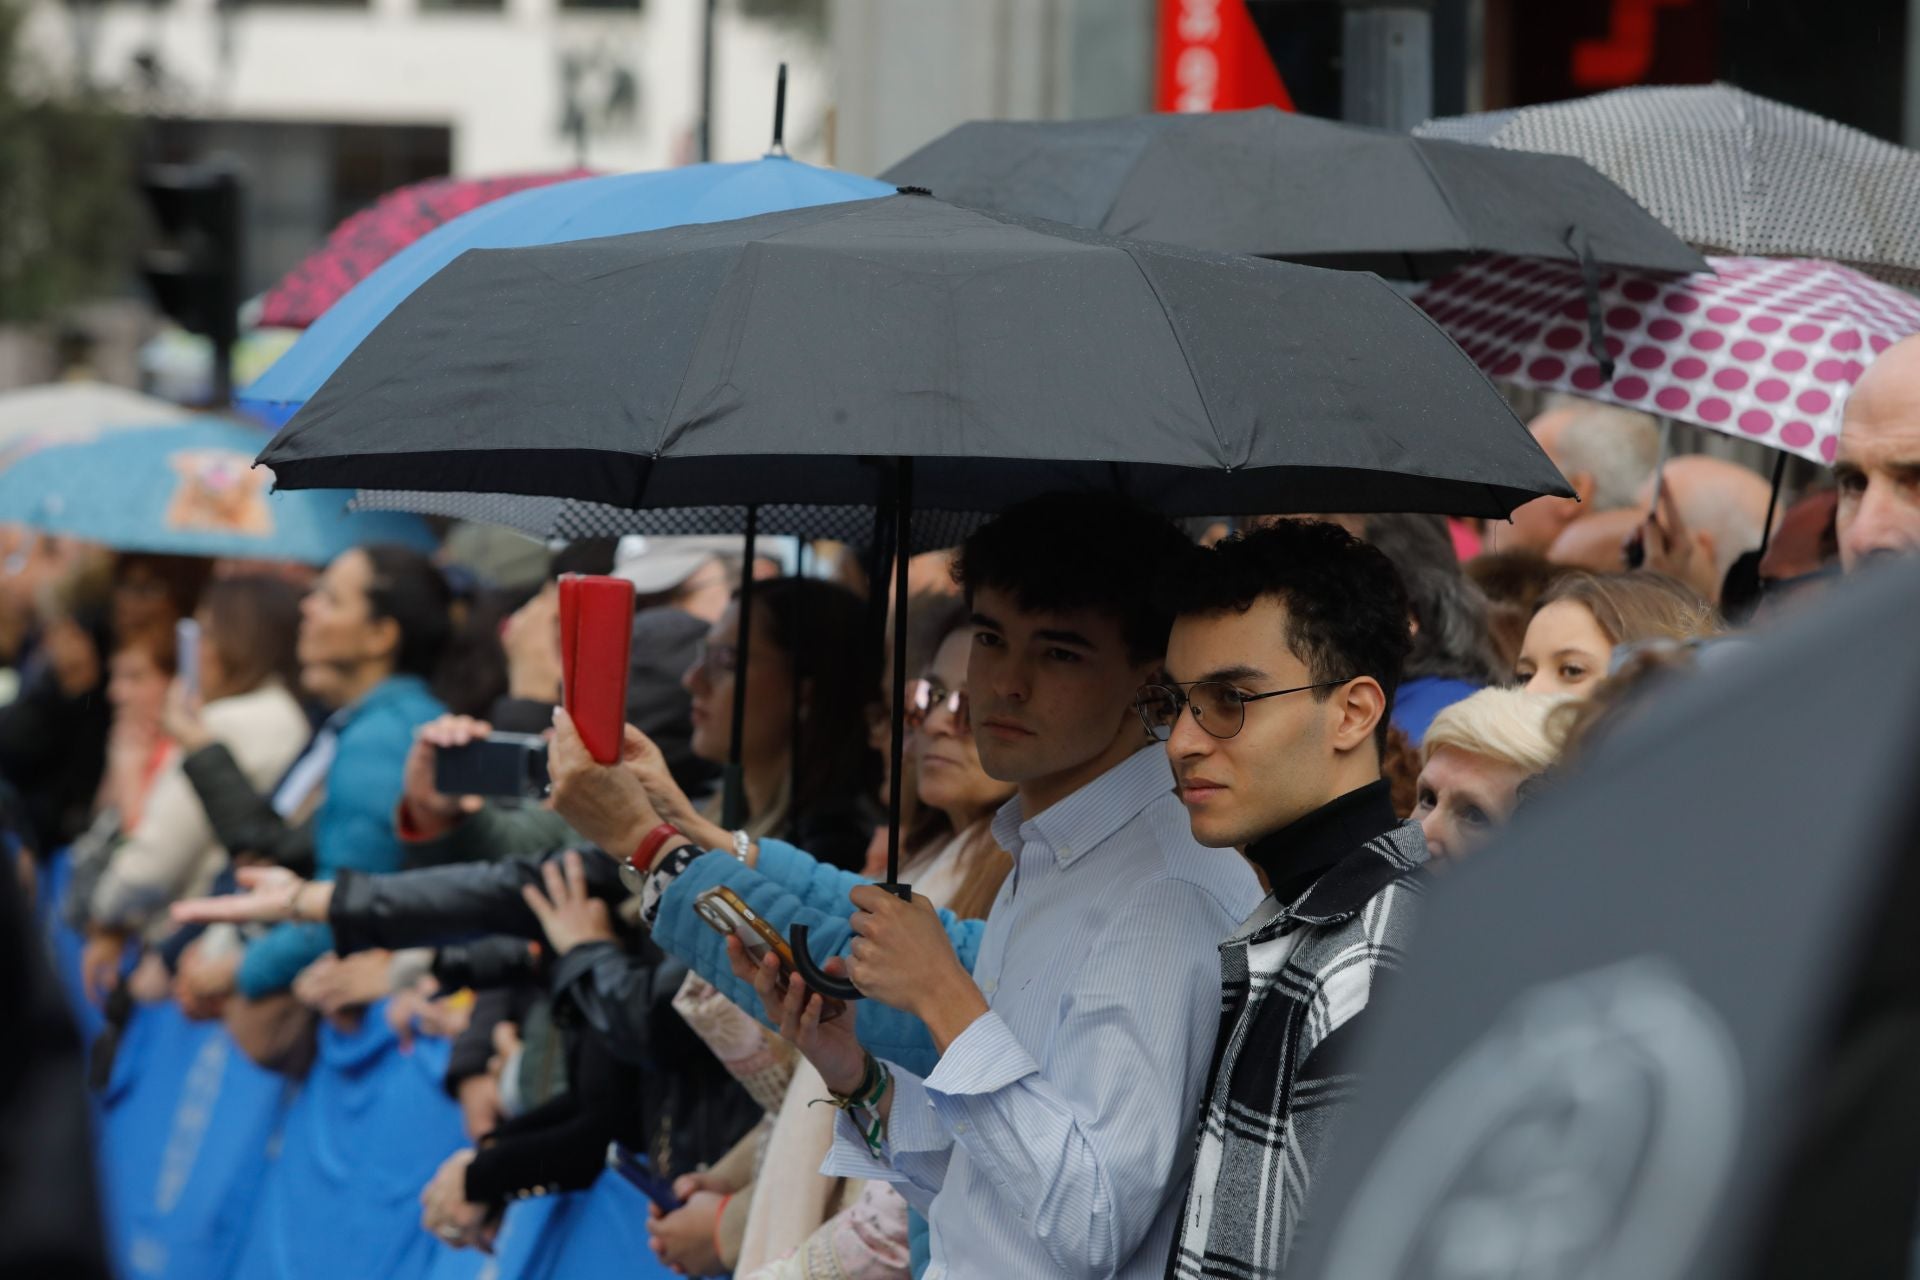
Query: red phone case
596, 642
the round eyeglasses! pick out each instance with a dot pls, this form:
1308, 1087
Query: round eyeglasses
1218, 707
924, 697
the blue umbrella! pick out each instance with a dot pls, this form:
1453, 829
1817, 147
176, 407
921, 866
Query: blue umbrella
587, 207
189, 490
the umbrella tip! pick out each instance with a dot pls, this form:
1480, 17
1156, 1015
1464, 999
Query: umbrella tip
779, 147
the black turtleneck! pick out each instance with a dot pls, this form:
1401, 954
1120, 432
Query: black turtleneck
1299, 853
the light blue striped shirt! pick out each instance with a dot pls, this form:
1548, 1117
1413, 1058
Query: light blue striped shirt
1056, 1134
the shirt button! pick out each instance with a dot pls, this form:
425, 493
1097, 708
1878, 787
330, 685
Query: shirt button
989, 987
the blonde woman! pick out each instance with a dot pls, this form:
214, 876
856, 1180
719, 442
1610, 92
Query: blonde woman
1476, 754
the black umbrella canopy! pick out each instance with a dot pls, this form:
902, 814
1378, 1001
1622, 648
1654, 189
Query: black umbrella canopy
1633, 1020
786, 358
1289, 186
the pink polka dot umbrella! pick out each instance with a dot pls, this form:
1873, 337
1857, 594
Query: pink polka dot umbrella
1765, 350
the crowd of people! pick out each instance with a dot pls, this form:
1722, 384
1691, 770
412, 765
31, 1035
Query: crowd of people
1171, 805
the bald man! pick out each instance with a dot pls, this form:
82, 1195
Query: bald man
1711, 513
1604, 451
1877, 469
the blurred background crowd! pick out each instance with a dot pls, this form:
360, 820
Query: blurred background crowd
191, 190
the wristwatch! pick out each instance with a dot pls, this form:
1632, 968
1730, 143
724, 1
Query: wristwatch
633, 871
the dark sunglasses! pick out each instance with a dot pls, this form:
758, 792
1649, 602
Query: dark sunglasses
1218, 707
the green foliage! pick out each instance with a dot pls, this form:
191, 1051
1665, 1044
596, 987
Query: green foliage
67, 221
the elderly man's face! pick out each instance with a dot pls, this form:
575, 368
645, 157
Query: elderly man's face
1877, 469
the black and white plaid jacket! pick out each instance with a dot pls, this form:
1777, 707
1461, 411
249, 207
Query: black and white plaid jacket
1291, 978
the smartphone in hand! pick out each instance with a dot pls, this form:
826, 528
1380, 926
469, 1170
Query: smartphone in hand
726, 913
186, 649
504, 766
639, 1171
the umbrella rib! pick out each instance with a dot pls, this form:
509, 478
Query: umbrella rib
1747, 171
1446, 196
1181, 344
674, 428
1119, 188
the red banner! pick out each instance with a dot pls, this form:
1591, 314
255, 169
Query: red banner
1212, 59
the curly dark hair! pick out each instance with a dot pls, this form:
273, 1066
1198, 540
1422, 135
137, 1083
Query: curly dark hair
1082, 550
1347, 609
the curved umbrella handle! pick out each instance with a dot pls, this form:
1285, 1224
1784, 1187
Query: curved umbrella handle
825, 983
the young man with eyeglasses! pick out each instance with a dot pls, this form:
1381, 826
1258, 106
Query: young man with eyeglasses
1286, 648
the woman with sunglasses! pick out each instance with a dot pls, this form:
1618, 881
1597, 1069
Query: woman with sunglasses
951, 854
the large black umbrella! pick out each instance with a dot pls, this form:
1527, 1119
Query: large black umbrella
1289, 186
1669, 1024
902, 353
785, 358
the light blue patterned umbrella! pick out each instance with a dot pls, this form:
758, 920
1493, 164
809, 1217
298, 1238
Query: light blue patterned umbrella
189, 489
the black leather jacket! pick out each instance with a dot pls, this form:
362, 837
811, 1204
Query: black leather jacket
691, 1111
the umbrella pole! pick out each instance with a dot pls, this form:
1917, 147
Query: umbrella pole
902, 541
1590, 286
799, 717
1660, 463
733, 803
878, 558
1773, 501
902, 506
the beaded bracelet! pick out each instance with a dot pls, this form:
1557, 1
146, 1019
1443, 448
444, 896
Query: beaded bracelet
870, 1133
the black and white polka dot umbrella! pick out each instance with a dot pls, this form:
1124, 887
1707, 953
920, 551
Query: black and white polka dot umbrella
1732, 173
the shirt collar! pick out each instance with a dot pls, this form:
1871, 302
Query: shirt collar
1088, 816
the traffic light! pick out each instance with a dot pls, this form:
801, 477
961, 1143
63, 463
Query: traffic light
194, 270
